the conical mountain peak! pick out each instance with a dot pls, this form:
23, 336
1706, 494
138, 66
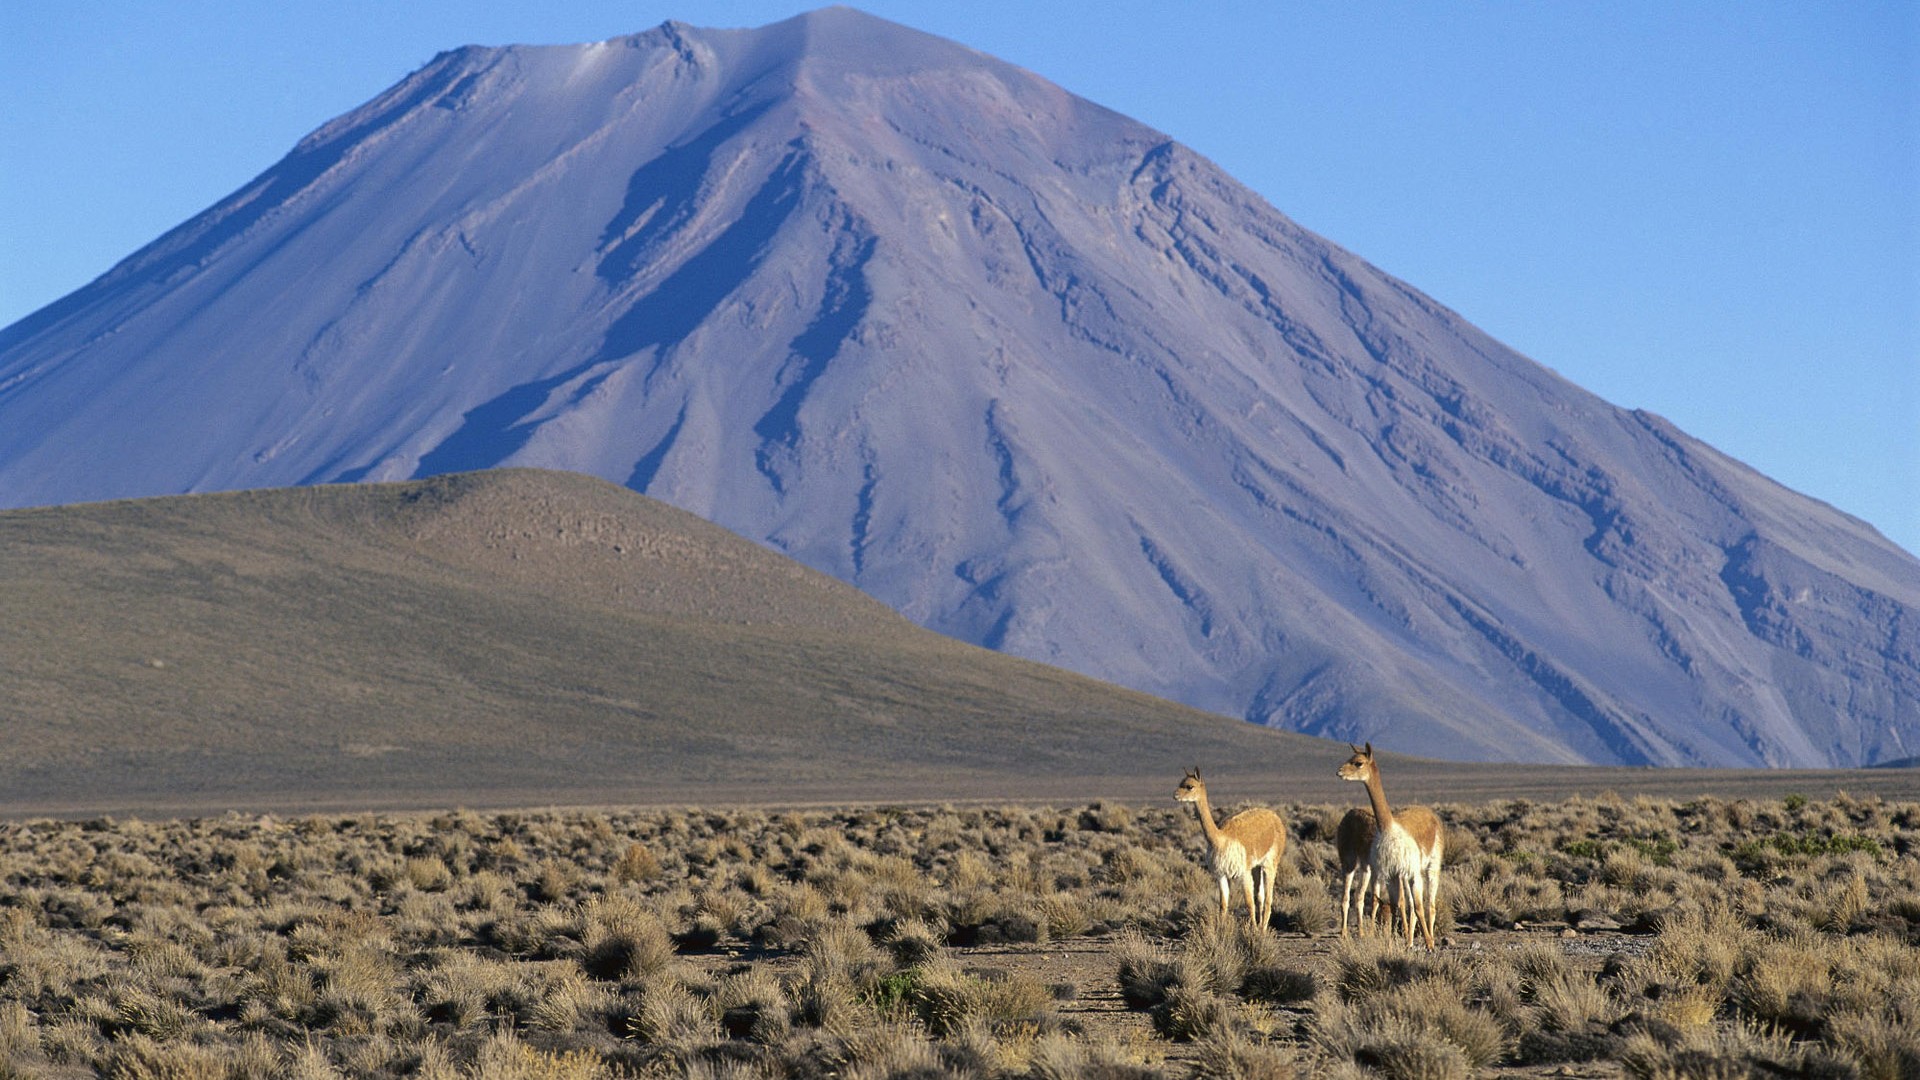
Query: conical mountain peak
1022, 368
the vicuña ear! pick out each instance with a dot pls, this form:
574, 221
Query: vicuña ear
1369, 749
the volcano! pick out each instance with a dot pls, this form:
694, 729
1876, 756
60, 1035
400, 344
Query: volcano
1027, 371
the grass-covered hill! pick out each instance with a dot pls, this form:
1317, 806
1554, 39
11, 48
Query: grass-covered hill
508, 637
523, 637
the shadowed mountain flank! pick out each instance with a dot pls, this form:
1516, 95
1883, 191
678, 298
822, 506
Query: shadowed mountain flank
1027, 372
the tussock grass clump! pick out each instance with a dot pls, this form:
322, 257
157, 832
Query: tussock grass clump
1407, 1014
1235, 1056
620, 939
1202, 989
949, 998
1059, 1057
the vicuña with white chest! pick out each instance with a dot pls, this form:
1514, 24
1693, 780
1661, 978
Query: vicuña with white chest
1407, 848
1244, 848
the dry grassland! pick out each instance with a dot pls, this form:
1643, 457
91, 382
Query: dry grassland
1592, 937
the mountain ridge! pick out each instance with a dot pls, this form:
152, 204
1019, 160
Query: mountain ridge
1031, 373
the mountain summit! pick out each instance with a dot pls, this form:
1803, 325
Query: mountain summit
1031, 373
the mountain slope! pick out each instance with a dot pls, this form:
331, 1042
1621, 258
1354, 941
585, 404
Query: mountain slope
1030, 373
520, 636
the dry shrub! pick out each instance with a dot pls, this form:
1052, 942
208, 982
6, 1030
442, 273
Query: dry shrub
825, 999
254, 1058
1405, 1013
1696, 948
357, 989
1734, 1053
46, 966
1437, 1006
847, 954
1064, 914
505, 1057
895, 1052
718, 912
1881, 1045
1221, 950
674, 1021
950, 999
1105, 817
1192, 1011
913, 941
1147, 972
70, 1039
1365, 967
140, 1010
459, 988
565, 1002
799, 912
1572, 1002
1689, 1008
427, 873
621, 939
1235, 1056
1303, 905
1835, 906
1058, 1057
1234, 959
1183, 992
1390, 1043
753, 1005
1278, 984
1787, 984
139, 1057
18, 1036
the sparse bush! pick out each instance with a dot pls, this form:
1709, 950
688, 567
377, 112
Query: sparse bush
619, 939
1234, 1056
674, 1021
950, 999
1058, 1057
1147, 973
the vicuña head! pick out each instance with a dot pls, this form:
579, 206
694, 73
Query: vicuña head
1192, 788
1359, 767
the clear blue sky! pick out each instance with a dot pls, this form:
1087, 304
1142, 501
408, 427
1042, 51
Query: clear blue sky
1708, 210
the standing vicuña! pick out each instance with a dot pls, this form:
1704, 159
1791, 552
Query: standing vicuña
1246, 847
1353, 842
1407, 848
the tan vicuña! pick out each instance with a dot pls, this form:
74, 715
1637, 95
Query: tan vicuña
1408, 847
1246, 848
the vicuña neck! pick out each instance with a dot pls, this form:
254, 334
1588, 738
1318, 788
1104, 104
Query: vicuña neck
1382, 814
1206, 817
